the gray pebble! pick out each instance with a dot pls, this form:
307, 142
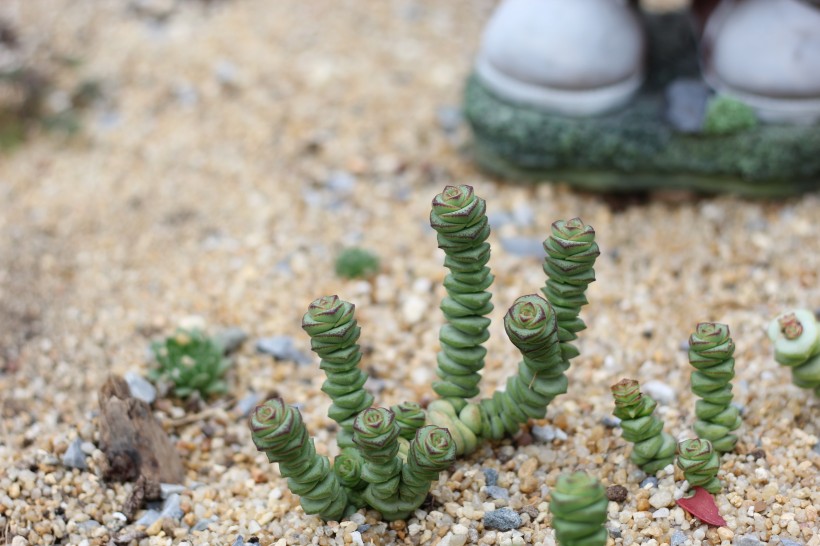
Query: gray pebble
203, 524
88, 526
341, 182
497, 492
524, 216
502, 519
141, 388
816, 447
168, 489
239, 541
789, 542
74, 456
614, 532
171, 508
186, 94
282, 348
148, 518
678, 538
547, 433
659, 391
226, 73
499, 219
449, 118
523, 246
610, 421
747, 540
246, 405
230, 338
490, 476
686, 104
649, 482
363, 527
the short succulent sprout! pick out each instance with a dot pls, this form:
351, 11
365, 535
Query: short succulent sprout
192, 361
700, 464
578, 508
796, 338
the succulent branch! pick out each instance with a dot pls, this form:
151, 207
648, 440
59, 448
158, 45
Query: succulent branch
431, 451
532, 327
192, 361
796, 338
375, 433
333, 334
459, 217
700, 464
578, 508
348, 469
571, 253
278, 430
654, 449
410, 417
710, 353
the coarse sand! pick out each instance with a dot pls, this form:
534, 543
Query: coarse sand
240, 145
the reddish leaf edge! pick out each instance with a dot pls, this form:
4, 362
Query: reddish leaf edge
702, 506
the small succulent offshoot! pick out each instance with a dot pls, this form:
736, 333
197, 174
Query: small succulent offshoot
578, 507
356, 263
796, 338
192, 362
700, 464
710, 353
654, 449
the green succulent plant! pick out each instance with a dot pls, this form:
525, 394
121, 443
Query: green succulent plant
389, 457
710, 353
354, 262
700, 464
578, 507
796, 338
654, 449
192, 362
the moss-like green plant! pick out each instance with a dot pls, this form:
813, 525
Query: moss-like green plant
354, 262
796, 338
192, 361
389, 457
654, 449
700, 464
725, 115
578, 507
710, 353
278, 430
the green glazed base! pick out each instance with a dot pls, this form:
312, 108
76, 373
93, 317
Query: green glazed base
635, 148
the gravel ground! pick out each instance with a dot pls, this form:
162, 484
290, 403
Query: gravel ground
241, 145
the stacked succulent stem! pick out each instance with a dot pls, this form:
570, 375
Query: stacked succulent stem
710, 353
654, 449
333, 334
578, 506
796, 338
460, 220
700, 464
532, 327
278, 430
571, 254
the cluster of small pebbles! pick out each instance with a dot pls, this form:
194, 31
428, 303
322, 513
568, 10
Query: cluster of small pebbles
243, 145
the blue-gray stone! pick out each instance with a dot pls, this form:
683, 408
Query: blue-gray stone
686, 104
74, 456
363, 527
341, 182
246, 405
282, 348
148, 518
747, 540
203, 524
502, 519
171, 508
610, 421
789, 542
449, 118
490, 476
140, 388
649, 482
239, 541
523, 246
497, 492
816, 447
659, 391
168, 489
547, 433
614, 532
230, 339
678, 538
88, 526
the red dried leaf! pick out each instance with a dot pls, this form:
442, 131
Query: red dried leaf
702, 506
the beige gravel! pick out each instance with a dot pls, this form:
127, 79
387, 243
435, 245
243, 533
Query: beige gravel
199, 188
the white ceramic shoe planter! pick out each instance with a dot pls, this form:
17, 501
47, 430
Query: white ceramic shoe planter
576, 57
766, 53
